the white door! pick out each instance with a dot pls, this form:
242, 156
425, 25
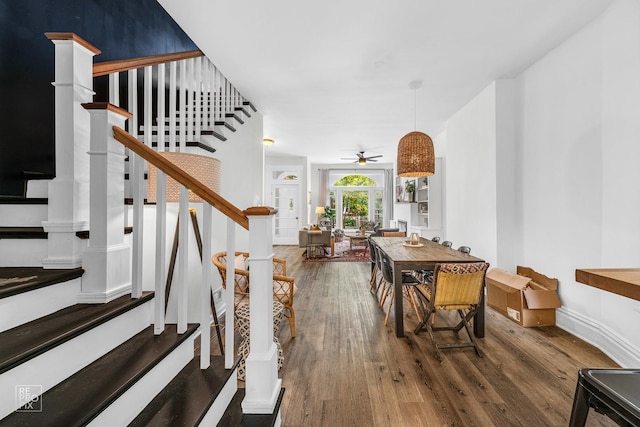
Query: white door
285, 198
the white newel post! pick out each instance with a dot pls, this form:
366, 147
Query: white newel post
69, 190
107, 260
262, 382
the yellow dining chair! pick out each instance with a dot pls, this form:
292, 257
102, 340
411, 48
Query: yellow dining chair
458, 287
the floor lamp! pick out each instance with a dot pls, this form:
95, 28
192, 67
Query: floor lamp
206, 170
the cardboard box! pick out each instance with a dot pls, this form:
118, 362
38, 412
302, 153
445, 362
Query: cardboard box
528, 298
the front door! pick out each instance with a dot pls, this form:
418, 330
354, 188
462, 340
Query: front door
285, 198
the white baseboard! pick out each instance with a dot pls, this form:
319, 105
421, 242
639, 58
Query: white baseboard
103, 297
587, 329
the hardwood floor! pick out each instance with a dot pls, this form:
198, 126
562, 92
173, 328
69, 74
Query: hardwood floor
345, 368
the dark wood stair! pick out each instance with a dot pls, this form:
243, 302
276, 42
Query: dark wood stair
83, 396
39, 278
24, 342
22, 233
188, 397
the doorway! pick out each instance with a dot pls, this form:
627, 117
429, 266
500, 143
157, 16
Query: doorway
285, 197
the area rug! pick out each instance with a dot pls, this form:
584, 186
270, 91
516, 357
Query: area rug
342, 254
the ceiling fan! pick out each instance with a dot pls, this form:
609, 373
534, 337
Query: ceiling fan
362, 159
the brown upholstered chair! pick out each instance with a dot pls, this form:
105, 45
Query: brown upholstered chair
456, 286
284, 287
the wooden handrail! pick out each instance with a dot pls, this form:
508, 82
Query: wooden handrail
74, 37
116, 66
182, 177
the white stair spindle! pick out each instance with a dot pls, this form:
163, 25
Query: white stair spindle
198, 97
114, 89
161, 114
173, 69
183, 105
137, 177
190, 101
229, 297
183, 257
148, 106
205, 288
161, 248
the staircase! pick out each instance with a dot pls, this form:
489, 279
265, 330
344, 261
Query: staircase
77, 349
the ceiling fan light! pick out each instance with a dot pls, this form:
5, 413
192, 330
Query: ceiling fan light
415, 155
267, 142
362, 161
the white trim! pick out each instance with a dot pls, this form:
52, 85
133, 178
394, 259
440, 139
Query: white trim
219, 406
599, 335
65, 226
104, 297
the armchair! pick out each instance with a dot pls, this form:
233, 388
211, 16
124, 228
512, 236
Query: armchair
284, 287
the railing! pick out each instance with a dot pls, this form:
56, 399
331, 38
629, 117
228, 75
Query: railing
212, 199
107, 250
200, 101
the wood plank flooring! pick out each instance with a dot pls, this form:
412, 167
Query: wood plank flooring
345, 368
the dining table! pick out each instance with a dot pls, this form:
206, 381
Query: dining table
422, 256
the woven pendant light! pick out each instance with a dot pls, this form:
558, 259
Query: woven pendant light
415, 149
415, 155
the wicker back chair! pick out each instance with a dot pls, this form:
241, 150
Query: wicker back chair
284, 287
456, 286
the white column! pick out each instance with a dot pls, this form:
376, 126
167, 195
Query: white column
107, 260
262, 382
69, 190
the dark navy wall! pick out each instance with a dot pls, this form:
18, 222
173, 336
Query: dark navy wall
119, 28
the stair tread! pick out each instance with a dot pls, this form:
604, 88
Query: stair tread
187, 398
22, 232
16, 200
42, 278
81, 397
233, 416
24, 342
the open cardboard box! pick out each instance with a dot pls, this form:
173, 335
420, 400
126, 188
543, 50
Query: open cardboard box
528, 298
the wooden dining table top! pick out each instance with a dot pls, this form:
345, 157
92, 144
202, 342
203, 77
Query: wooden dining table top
427, 255
423, 257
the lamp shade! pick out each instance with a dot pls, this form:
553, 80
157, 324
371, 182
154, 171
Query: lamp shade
203, 168
415, 155
320, 210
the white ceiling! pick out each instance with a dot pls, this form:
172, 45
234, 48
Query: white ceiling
332, 78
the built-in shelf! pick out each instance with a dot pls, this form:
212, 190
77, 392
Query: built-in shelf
620, 281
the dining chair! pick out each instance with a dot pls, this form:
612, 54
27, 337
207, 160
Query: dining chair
447, 244
373, 281
458, 287
465, 250
394, 234
409, 281
436, 239
284, 287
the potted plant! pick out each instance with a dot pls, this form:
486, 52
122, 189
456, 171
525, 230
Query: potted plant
330, 214
409, 189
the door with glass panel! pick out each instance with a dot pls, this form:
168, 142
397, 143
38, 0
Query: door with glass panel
285, 198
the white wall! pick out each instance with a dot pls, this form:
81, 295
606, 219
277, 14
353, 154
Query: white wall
566, 189
470, 205
579, 132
